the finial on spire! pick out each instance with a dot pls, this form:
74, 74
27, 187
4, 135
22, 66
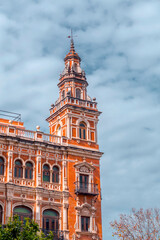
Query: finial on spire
72, 42
71, 36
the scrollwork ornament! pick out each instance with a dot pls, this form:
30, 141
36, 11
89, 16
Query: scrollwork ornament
84, 169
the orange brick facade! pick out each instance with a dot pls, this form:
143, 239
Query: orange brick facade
55, 178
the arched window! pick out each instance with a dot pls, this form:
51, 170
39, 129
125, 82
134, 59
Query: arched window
1, 214
23, 212
50, 220
82, 130
1, 166
46, 173
18, 170
59, 130
29, 170
63, 94
75, 67
78, 93
55, 174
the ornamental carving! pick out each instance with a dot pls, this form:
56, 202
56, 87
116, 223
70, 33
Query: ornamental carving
24, 150
52, 186
85, 211
2, 146
2, 179
84, 169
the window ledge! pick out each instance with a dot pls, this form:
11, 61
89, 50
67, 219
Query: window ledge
85, 140
85, 232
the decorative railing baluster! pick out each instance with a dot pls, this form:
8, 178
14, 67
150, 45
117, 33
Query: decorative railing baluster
31, 135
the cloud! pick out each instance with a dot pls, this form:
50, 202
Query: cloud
119, 43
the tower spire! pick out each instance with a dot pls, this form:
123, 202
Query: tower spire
72, 53
72, 50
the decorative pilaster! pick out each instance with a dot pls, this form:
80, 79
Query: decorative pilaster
65, 216
38, 168
38, 215
64, 176
9, 197
69, 126
8, 209
10, 164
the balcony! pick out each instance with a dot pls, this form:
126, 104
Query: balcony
92, 105
13, 131
86, 188
57, 235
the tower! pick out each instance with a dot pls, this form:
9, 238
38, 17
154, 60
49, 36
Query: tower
75, 114
74, 118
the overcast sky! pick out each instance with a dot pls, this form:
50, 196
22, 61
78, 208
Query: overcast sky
119, 43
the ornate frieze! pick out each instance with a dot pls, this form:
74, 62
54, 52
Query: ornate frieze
84, 169
51, 186
24, 182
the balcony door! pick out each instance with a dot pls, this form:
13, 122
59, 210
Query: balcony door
84, 182
50, 220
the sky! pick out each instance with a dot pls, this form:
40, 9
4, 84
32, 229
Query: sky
119, 44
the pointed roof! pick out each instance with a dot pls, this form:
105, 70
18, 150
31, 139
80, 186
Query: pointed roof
72, 54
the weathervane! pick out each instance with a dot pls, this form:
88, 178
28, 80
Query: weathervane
71, 36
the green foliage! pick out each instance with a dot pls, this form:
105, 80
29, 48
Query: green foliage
16, 230
48, 237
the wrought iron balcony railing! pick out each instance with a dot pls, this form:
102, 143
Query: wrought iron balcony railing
86, 188
57, 235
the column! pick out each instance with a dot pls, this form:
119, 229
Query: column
23, 171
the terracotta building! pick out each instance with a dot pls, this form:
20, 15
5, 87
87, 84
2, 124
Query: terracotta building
55, 178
